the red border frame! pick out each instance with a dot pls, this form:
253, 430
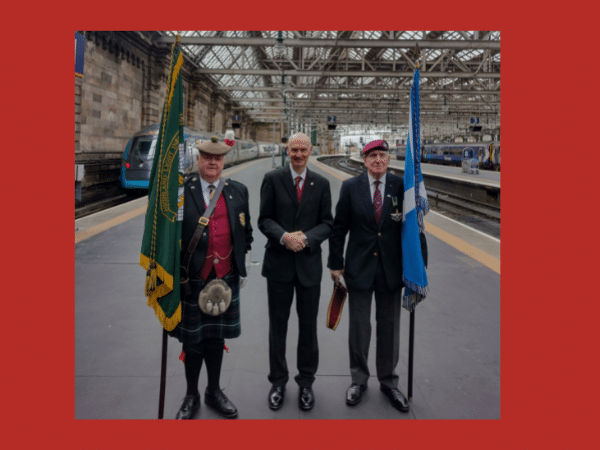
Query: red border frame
536, 404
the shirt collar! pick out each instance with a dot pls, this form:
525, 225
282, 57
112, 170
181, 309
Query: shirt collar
205, 184
294, 174
372, 179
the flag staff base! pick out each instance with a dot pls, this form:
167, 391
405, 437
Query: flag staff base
163, 375
411, 351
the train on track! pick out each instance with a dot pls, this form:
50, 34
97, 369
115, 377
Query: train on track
487, 153
138, 156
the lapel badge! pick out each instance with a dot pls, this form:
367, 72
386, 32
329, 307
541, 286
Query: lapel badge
243, 219
395, 201
397, 216
311, 183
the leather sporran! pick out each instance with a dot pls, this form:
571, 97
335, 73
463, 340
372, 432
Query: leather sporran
215, 298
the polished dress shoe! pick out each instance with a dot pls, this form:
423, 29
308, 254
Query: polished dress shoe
276, 397
191, 404
354, 393
306, 398
220, 403
397, 398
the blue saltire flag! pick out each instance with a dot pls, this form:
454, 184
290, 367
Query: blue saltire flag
414, 207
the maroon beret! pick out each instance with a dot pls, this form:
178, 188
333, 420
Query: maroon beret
379, 144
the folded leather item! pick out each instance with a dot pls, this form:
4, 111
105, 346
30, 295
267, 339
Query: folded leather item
338, 297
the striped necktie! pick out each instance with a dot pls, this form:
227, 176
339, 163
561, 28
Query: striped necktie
298, 190
377, 202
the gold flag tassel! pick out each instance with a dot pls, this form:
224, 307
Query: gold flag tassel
151, 279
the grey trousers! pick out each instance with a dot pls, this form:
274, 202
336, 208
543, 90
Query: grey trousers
387, 318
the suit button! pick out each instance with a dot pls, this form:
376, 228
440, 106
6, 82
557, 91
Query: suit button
375, 254
378, 234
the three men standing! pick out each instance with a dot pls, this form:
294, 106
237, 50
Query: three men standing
295, 216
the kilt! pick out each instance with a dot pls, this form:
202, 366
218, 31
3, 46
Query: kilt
195, 325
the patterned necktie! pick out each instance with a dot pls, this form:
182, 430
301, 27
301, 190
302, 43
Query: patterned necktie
377, 202
298, 190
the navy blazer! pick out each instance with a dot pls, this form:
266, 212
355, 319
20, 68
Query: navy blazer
354, 213
236, 199
280, 213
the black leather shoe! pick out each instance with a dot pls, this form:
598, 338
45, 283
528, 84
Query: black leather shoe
306, 398
354, 394
220, 403
396, 397
191, 404
276, 397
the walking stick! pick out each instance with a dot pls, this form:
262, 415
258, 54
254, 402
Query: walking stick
163, 375
411, 350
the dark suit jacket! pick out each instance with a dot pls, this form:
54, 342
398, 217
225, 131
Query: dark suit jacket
354, 212
236, 199
280, 212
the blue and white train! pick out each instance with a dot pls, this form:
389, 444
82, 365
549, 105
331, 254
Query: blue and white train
488, 153
136, 164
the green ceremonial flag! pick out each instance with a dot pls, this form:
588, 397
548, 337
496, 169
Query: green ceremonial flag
161, 249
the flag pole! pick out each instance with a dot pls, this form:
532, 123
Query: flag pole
163, 375
165, 334
411, 331
411, 353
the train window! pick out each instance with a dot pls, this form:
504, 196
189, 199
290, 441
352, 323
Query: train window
143, 147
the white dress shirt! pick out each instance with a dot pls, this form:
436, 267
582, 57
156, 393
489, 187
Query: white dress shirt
295, 175
381, 186
206, 191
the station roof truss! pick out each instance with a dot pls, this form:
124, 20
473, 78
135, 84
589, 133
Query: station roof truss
360, 77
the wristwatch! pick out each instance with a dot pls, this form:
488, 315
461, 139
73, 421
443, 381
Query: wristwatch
305, 241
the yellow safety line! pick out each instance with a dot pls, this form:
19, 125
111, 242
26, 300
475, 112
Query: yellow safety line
326, 169
92, 231
463, 247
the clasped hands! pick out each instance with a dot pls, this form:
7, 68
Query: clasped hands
294, 241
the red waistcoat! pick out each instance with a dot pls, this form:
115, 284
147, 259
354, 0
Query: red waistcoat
220, 244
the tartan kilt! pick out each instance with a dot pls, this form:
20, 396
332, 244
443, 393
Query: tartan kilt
195, 325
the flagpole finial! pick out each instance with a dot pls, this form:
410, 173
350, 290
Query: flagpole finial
417, 66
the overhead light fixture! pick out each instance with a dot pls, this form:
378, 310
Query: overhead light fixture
279, 49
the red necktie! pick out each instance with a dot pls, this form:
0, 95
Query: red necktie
377, 202
298, 190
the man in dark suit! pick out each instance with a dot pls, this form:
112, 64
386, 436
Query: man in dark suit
295, 216
370, 208
219, 254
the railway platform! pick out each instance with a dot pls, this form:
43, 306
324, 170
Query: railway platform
118, 338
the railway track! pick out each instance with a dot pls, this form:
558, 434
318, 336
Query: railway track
478, 215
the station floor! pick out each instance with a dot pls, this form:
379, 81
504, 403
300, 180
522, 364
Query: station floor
118, 338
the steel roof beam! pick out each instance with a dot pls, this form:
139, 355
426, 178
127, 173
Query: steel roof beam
438, 91
350, 43
366, 73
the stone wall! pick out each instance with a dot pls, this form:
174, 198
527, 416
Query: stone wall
123, 90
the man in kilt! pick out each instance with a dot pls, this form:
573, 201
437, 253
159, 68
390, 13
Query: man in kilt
219, 254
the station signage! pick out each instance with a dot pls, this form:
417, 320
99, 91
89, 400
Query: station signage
79, 54
331, 122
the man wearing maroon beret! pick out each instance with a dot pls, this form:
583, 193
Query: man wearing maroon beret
370, 209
